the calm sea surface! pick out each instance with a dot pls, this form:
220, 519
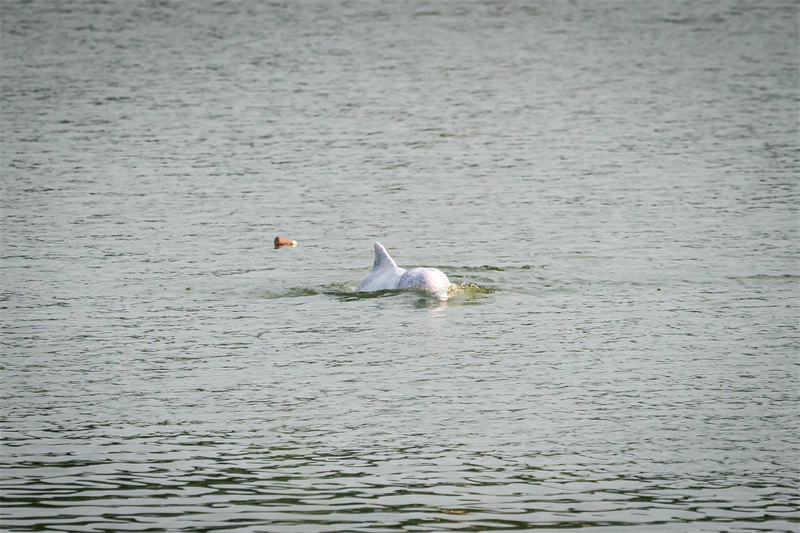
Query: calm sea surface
612, 185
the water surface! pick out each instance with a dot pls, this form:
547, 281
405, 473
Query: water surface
612, 186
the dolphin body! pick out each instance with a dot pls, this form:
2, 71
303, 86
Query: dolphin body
386, 275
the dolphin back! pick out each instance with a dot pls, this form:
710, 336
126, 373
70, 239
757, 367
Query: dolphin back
431, 280
386, 275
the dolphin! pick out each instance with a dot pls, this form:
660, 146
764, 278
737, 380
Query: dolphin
386, 275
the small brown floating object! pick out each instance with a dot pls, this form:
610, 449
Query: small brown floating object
283, 241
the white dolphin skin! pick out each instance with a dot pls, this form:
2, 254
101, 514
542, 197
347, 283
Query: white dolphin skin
387, 275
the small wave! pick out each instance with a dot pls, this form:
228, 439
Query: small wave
495, 268
483, 268
457, 292
346, 292
292, 292
296, 292
333, 289
469, 290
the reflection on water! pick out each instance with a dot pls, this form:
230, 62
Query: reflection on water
611, 186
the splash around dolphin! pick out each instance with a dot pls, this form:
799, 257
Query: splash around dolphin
386, 275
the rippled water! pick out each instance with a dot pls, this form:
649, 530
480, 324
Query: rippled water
612, 185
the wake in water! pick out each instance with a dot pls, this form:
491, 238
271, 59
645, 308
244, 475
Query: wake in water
458, 293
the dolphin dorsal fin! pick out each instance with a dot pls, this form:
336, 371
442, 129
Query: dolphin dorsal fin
382, 258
